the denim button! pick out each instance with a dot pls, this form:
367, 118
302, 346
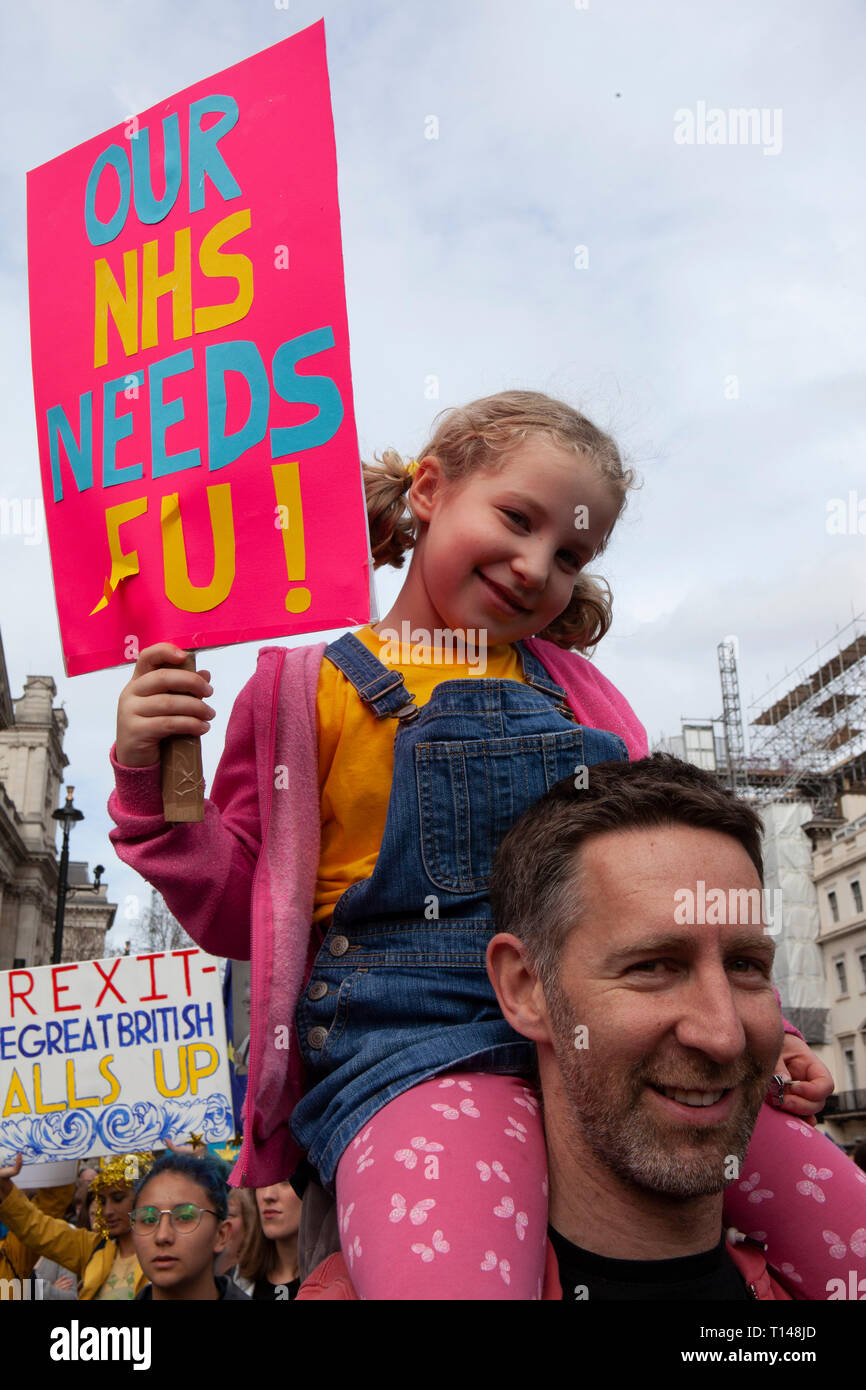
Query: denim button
339, 946
316, 1038
318, 989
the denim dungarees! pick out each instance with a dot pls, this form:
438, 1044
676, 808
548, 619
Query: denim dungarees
399, 989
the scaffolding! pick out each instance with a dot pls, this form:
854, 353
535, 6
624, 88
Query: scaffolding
732, 716
806, 734
809, 738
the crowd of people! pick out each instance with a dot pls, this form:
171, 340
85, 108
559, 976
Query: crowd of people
151, 1228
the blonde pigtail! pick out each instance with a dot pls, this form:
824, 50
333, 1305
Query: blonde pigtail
587, 618
392, 525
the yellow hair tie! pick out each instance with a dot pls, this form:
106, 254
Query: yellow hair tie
412, 467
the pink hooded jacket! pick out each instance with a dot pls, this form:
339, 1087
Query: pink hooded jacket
242, 882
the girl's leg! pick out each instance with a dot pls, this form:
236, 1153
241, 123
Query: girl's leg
443, 1195
806, 1201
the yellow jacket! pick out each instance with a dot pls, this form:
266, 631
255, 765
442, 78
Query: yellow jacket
86, 1253
16, 1259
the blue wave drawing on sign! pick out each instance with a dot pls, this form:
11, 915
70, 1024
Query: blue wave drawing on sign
121, 1128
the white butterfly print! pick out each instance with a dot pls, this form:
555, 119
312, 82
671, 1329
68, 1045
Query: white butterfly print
505, 1209
345, 1217
838, 1248
448, 1112
486, 1170
790, 1273
810, 1188
451, 1081
362, 1138
354, 1250
440, 1246
518, 1131
418, 1214
409, 1157
490, 1261
529, 1101
756, 1194
806, 1130
364, 1160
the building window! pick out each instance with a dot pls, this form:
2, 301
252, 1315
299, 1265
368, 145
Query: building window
841, 976
850, 1069
863, 966
834, 906
857, 896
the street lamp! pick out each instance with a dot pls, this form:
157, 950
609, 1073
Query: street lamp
69, 815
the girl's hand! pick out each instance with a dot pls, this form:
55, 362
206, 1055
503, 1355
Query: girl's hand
184, 1148
7, 1173
65, 1281
159, 702
811, 1084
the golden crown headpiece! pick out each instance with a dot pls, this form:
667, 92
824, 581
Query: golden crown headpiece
117, 1170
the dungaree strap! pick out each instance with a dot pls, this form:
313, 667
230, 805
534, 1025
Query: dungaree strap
383, 690
535, 675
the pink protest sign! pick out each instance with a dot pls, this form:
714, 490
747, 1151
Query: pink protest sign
191, 371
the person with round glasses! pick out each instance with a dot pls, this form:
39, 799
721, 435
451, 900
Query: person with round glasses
179, 1226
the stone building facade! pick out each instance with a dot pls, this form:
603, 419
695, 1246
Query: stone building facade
32, 761
840, 880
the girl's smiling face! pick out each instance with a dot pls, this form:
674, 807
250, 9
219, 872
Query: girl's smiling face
501, 551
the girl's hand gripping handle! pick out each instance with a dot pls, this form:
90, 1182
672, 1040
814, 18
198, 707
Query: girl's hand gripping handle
161, 716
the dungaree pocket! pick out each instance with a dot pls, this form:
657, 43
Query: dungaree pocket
506, 775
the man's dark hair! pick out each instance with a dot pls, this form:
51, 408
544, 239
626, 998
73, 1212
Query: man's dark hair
535, 884
207, 1171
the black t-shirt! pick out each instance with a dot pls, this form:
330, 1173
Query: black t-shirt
585, 1275
275, 1293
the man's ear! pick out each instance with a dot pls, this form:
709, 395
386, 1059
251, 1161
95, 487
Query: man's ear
517, 986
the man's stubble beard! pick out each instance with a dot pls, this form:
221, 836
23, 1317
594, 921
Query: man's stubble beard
609, 1115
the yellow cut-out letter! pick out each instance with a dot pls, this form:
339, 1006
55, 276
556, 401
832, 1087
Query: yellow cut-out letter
178, 588
122, 566
178, 281
216, 264
123, 307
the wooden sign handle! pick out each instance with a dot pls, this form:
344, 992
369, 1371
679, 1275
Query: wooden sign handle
182, 780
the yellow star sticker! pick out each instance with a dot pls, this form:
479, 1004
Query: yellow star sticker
228, 1153
196, 1140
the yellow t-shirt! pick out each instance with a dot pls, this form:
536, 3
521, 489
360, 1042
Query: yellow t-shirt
120, 1284
356, 758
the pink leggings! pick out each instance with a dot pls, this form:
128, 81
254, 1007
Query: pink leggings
443, 1195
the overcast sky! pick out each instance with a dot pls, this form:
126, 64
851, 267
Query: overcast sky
717, 329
